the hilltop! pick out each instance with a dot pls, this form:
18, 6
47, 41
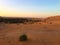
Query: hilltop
53, 18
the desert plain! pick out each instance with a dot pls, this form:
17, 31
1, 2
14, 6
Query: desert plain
38, 33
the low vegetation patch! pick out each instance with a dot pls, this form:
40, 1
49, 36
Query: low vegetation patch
23, 38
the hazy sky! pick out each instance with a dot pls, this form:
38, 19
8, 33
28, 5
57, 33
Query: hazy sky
29, 8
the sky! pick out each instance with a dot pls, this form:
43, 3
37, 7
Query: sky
29, 8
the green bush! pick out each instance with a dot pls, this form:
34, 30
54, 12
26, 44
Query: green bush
23, 38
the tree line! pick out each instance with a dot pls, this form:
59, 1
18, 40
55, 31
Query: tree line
17, 20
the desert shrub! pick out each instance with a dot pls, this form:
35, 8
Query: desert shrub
24, 23
23, 38
50, 22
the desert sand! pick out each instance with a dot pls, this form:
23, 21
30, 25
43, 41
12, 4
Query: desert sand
40, 33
